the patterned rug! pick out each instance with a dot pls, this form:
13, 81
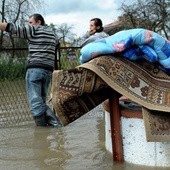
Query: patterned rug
77, 91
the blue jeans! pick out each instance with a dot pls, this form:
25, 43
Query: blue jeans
37, 83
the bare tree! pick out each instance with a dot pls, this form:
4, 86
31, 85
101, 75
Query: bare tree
150, 14
16, 11
64, 32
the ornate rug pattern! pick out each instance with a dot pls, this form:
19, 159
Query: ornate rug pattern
77, 91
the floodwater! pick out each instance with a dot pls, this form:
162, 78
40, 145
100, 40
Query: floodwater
78, 146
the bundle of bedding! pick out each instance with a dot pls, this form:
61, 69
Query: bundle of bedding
133, 44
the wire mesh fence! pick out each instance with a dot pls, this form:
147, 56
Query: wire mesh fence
14, 108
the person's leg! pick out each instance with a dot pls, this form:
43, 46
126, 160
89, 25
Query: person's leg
51, 118
37, 105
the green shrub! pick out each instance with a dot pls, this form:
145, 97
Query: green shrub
10, 70
66, 63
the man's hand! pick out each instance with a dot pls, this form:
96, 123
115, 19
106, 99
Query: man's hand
3, 26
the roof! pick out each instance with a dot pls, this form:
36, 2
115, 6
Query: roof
114, 26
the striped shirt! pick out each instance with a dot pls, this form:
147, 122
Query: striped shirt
41, 44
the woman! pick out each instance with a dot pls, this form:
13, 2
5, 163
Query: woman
95, 31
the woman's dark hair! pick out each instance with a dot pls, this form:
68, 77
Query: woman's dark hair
98, 23
38, 17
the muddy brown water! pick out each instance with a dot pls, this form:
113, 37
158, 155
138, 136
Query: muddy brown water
78, 146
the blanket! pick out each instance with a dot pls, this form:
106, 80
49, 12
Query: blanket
134, 44
77, 91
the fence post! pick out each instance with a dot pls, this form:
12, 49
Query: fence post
57, 57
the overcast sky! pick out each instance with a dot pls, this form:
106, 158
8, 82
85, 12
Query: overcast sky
79, 12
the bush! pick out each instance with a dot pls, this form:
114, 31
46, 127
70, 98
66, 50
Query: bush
12, 70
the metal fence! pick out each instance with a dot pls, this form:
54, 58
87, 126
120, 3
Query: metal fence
14, 109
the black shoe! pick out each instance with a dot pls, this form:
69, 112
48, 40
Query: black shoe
52, 119
40, 120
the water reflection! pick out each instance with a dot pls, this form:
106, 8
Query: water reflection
49, 148
79, 146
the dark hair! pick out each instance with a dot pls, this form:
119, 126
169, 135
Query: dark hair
38, 17
98, 23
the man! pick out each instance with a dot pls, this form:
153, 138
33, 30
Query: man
95, 31
41, 44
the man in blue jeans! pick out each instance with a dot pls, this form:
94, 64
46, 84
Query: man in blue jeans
42, 45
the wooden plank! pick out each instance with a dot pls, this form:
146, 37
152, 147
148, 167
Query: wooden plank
116, 134
131, 113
